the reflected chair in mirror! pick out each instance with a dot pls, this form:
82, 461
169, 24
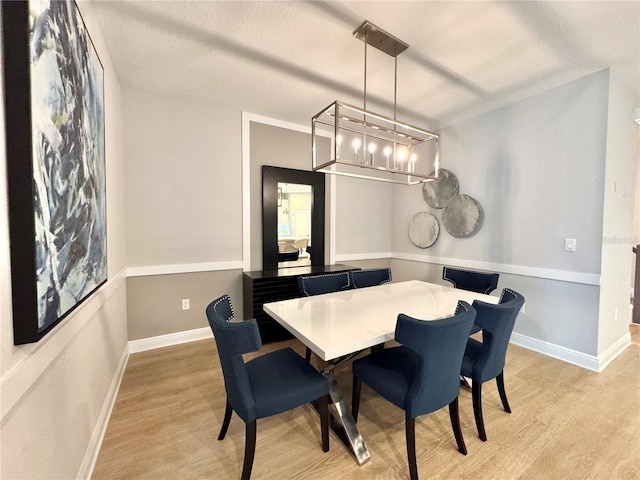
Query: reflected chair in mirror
370, 277
484, 361
422, 374
479, 282
301, 245
266, 385
311, 285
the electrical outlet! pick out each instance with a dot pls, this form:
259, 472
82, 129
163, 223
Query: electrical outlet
570, 244
186, 304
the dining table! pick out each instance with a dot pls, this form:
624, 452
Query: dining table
340, 325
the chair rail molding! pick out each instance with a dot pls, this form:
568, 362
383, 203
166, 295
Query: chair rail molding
545, 273
15, 383
149, 270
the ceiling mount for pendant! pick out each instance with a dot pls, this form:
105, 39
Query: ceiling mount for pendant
368, 145
378, 38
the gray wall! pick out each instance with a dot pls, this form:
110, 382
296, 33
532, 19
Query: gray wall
538, 169
363, 217
274, 146
154, 302
519, 161
184, 211
183, 183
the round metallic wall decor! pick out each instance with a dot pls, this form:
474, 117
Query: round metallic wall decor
462, 216
438, 192
423, 229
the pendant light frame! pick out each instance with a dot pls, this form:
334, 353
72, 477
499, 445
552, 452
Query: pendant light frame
369, 145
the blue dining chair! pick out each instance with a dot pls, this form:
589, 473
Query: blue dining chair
267, 385
485, 360
324, 283
311, 285
370, 277
479, 282
422, 374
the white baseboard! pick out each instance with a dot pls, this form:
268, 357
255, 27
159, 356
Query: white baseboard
606, 357
169, 339
590, 362
95, 442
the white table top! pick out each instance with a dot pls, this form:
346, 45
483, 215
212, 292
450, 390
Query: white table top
340, 323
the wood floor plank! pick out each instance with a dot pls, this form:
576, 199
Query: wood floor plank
567, 422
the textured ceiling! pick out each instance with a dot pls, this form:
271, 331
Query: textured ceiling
290, 59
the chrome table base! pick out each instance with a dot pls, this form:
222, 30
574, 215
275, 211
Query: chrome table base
346, 428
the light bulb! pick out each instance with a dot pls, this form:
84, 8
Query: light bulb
356, 146
372, 149
387, 154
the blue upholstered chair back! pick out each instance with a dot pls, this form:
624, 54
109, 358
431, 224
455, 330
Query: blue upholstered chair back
479, 282
497, 323
324, 283
370, 277
439, 346
233, 339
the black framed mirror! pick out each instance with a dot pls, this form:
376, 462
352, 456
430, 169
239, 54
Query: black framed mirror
273, 192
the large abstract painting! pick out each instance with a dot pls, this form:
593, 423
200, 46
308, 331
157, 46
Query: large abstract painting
54, 104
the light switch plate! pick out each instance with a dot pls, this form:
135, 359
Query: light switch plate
570, 244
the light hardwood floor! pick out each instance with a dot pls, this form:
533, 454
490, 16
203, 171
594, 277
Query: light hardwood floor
567, 422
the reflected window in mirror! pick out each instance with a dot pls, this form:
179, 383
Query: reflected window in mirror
294, 225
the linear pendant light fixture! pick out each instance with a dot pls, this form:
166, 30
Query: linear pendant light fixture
369, 145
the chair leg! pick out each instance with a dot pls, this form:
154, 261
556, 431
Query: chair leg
410, 430
455, 424
355, 398
503, 394
225, 423
307, 354
476, 395
249, 449
323, 410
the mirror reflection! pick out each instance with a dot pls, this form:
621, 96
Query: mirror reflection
294, 225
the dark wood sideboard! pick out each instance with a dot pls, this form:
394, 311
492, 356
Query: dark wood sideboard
262, 287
